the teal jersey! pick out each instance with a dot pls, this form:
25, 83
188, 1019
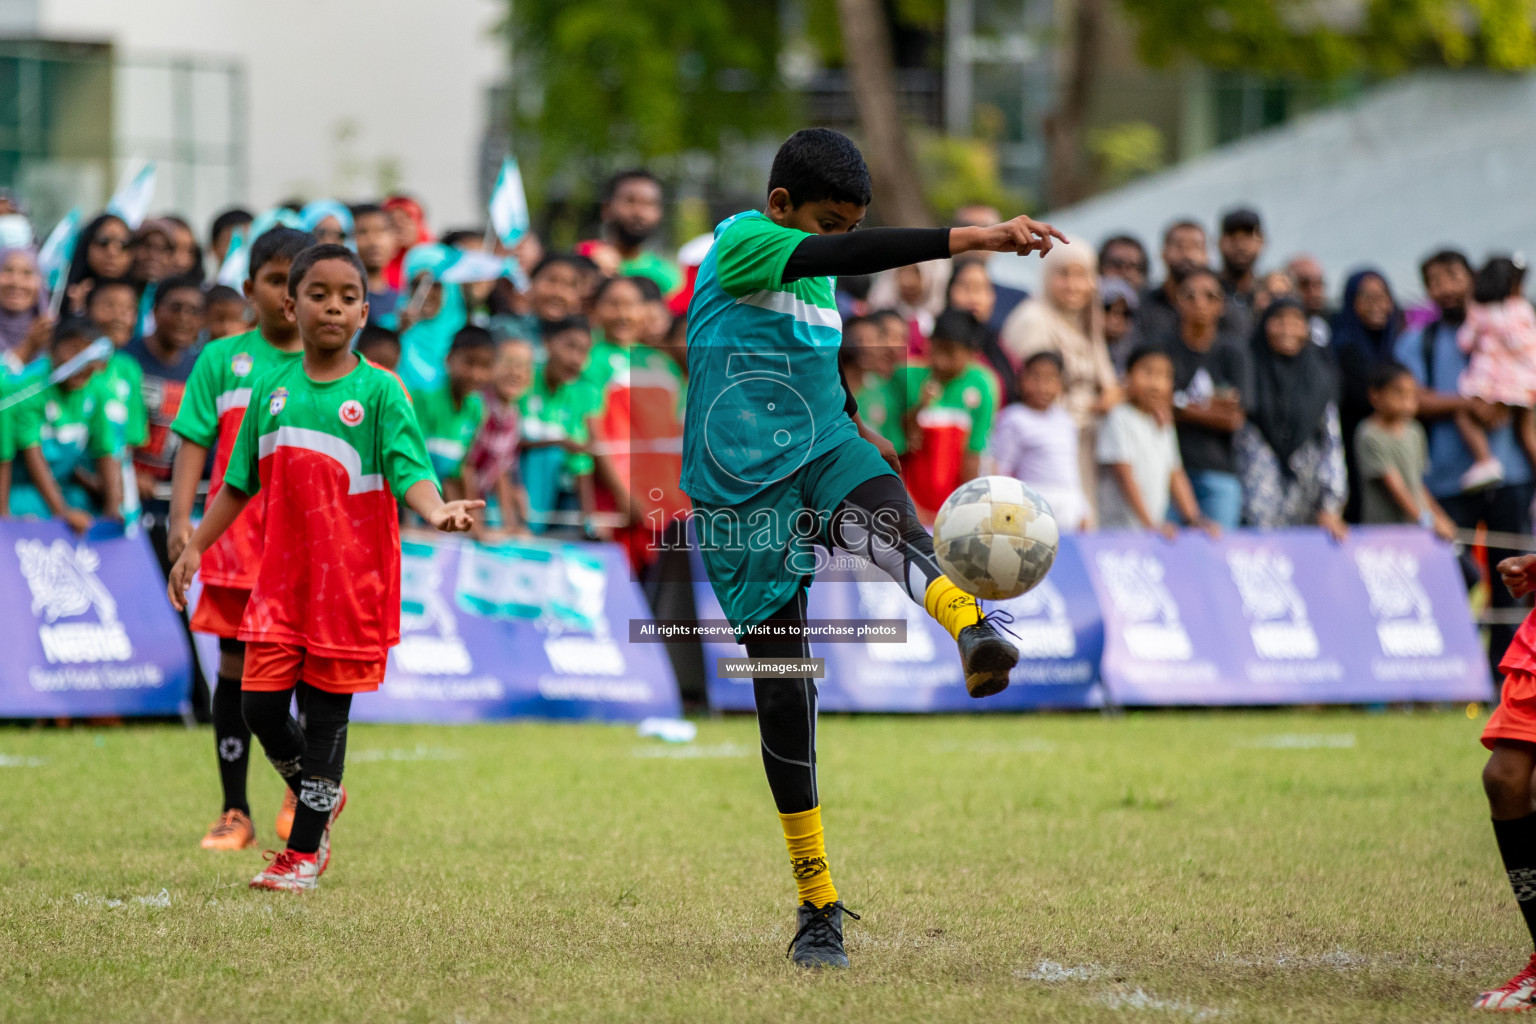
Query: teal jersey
764, 393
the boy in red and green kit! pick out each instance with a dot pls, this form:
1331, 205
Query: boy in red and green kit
950, 405
332, 441
212, 409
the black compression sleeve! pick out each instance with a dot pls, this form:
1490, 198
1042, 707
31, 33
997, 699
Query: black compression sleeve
850, 404
865, 252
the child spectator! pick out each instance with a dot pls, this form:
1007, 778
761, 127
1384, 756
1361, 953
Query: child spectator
869, 366
1500, 337
325, 608
186, 255
377, 246
1120, 303
491, 468
450, 413
222, 232
113, 307
557, 412
61, 429
556, 291
1036, 442
1393, 453
1138, 452
950, 405
618, 312
227, 312
380, 346
166, 357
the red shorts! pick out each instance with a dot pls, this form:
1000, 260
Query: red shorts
273, 666
219, 611
1515, 717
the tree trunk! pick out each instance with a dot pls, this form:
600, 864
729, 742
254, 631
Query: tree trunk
867, 51
1067, 177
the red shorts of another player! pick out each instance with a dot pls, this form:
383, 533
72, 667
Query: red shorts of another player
272, 666
219, 611
1515, 717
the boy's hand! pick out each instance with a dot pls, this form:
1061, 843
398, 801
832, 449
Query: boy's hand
1445, 528
1209, 527
77, 519
1168, 530
1334, 525
180, 578
454, 516
1021, 235
176, 540
1516, 573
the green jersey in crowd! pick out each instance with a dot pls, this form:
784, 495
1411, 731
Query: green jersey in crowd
449, 431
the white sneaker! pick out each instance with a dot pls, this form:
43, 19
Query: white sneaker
1479, 475
290, 871
1515, 994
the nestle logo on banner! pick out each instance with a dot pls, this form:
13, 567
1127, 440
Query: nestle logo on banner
64, 584
1405, 623
1152, 629
884, 599
1041, 626
1276, 613
584, 655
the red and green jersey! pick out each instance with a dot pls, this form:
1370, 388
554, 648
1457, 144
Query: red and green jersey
331, 457
212, 409
955, 422
449, 431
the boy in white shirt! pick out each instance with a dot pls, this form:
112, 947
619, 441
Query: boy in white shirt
1036, 442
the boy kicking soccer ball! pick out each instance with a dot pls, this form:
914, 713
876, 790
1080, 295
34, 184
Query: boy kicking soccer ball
212, 410
332, 440
777, 460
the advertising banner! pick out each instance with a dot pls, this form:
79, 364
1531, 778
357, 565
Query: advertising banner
89, 629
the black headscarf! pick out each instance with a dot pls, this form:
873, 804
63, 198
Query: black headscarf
1350, 332
1290, 393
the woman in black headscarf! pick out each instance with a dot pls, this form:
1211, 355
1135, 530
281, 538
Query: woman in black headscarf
1365, 331
1290, 452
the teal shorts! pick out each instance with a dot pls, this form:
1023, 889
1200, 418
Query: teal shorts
759, 552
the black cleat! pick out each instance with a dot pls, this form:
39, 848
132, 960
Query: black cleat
987, 657
819, 942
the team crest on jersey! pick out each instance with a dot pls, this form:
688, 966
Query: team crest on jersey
351, 412
971, 397
278, 399
242, 364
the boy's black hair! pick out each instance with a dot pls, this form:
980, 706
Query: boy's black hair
1181, 224
374, 335
471, 337
222, 293
306, 260
956, 326
1497, 280
278, 244
110, 282
367, 210
1046, 356
880, 315
1194, 272
610, 282
230, 218
1444, 258
1114, 240
182, 282
567, 323
1384, 375
819, 163
611, 186
580, 264
650, 291
1141, 352
452, 238
74, 327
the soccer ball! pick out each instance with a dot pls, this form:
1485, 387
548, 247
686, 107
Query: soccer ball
995, 537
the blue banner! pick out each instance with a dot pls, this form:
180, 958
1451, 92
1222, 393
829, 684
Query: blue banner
1057, 625
526, 629
90, 631
1284, 617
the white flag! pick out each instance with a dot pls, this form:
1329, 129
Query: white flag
509, 205
237, 260
59, 248
471, 266
134, 194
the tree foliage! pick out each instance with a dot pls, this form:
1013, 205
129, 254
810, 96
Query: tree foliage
601, 82
1295, 38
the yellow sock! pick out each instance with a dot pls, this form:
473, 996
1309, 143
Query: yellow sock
952, 607
808, 857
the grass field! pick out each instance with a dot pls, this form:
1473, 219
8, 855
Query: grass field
1161, 867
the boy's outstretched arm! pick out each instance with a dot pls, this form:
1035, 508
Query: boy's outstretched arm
875, 249
222, 511
425, 500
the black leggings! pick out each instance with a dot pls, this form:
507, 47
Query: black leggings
876, 520
309, 753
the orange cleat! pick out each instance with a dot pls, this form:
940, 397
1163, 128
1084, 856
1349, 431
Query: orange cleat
233, 831
284, 823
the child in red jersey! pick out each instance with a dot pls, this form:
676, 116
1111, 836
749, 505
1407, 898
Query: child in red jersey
212, 409
332, 441
1511, 737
